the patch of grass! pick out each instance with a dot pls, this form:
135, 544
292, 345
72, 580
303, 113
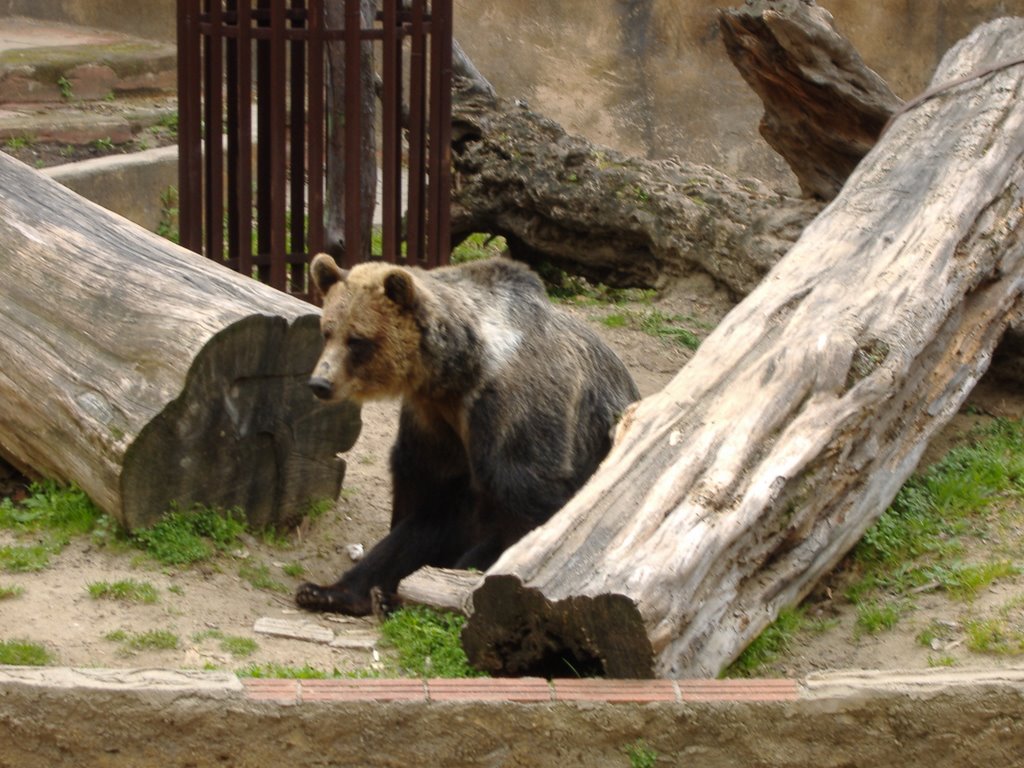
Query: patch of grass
934, 631
126, 590
874, 617
15, 143
574, 289
965, 580
63, 511
258, 574
616, 320
478, 246
64, 86
641, 754
170, 211
318, 508
427, 643
295, 570
104, 145
994, 636
277, 539
24, 653
271, 670
185, 537
152, 640
920, 540
23, 559
169, 123
9, 593
656, 323
941, 661
233, 644
766, 647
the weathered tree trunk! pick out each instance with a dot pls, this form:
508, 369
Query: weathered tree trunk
619, 220
728, 494
149, 375
824, 108
627, 221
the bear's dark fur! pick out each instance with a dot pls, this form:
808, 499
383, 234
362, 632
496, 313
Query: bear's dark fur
508, 406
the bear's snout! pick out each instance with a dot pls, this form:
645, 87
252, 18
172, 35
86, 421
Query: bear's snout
321, 387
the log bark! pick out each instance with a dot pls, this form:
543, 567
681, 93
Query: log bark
619, 220
149, 375
728, 494
824, 107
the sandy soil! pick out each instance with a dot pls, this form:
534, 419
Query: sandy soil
195, 604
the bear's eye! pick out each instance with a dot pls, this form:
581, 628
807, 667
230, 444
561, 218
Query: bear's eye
359, 349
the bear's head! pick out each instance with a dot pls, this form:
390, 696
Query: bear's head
371, 338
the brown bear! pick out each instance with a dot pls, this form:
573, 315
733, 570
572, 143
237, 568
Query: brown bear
507, 407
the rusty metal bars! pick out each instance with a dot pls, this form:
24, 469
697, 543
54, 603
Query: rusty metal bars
261, 210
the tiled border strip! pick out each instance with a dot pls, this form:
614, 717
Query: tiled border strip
522, 690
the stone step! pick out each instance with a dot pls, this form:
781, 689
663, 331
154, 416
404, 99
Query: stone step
48, 62
150, 120
73, 86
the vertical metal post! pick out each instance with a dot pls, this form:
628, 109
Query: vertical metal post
213, 137
417, 128
353, 105
278, 166
296, 235
316, 124
241, 187
439, 230
391, 120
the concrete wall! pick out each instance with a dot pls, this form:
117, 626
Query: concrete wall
146, 18
651, 77
648, 77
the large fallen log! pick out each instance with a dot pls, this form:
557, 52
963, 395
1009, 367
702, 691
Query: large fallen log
620, 220
149, 375
728, 494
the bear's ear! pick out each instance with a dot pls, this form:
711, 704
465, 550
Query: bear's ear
399, 287
325, 273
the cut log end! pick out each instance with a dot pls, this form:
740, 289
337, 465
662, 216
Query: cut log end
245, 432
515, 631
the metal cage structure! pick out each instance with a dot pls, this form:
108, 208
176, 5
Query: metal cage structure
253, 121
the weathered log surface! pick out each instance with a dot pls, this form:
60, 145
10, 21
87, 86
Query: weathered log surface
147, 374
619, 220
824, 107
728, 494
447, 589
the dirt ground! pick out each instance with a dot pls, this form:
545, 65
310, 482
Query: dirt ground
202, 604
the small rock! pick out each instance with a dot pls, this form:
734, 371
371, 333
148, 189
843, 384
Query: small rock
355, 640
295, 630
355, 552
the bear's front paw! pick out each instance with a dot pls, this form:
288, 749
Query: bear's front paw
313, 597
